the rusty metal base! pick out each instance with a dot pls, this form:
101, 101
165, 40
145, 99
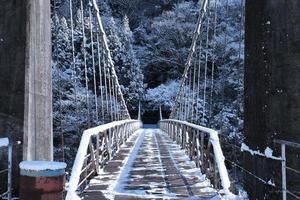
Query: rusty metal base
41, 188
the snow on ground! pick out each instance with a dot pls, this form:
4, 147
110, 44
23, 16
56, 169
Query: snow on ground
152, 166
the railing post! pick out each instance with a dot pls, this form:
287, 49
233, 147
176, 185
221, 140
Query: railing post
202, 149
198, 148
283, 171
176, 132
193, 144
85, 171
172, 130
106, 143
109, 143
93, 156
97, 153
183, 136
124, 133
215, 174
179, 136
9, 175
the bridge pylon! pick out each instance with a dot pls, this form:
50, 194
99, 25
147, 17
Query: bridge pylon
25, 79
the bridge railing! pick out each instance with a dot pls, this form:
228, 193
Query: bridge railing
6, 146
97, 146
284, 168
203, 147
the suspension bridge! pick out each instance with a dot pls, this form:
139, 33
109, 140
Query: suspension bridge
180, 159
121, 160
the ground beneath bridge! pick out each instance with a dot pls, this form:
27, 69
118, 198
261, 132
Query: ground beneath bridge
150, 166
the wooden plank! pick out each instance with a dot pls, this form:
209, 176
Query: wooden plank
159, 166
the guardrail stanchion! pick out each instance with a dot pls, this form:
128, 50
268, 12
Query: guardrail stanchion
9, 174
283, 171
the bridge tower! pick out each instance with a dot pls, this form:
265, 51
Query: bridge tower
25, 78
272, 78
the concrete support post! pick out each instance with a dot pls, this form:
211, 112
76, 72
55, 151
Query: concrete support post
38, 90
25, 78
272, 84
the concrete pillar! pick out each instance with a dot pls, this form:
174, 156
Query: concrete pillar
272, 71
25, 78
272, 82
38, 86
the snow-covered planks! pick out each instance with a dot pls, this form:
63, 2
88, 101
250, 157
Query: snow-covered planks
155, 168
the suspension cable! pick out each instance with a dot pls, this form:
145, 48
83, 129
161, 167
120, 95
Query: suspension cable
100, 76
185, 102
213, 59
85, 63
93, 62
223, 77
74, 71
189, 95
194, 88
105, 83
205, 67
199, 77
110, 61
197, 32
59, 87
113, 99
109, 92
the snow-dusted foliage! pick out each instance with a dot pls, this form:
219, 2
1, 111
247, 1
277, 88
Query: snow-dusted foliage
165, 43
163, 95
127, 65
162, 46
73, 103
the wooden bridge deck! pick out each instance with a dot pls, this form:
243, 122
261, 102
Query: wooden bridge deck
150, 166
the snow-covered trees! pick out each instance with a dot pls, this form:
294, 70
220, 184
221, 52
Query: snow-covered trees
165, 42
163, 96
162, 47
73, 85
126, 64
152, 54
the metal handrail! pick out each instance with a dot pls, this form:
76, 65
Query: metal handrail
97, 147
284, 167
192, 138
6, 145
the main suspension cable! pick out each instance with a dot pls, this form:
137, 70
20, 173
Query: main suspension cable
196, 34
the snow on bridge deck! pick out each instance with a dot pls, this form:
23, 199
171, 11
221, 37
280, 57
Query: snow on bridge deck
150, 166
